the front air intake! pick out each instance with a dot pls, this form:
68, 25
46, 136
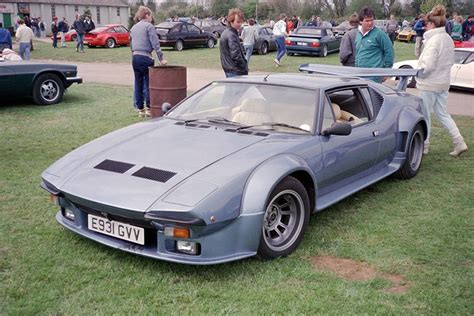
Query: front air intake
154, 174
114, 166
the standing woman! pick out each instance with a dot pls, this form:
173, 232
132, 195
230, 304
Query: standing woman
143, 41
433, 81
279, 30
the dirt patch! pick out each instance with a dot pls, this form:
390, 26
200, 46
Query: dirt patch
359, 271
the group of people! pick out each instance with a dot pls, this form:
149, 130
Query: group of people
23, 36
82, 25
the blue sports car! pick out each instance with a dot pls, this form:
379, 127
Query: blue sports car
237, 169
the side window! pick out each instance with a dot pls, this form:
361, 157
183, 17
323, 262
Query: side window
349, 106
368, 101
193, 29
176, 29
470, 59
328, 116
111, 30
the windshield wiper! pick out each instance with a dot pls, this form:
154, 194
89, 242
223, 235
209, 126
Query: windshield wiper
272, 124
219, 119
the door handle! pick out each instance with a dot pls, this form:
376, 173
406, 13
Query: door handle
375, 133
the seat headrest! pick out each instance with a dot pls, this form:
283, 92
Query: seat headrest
337, 111
254, 105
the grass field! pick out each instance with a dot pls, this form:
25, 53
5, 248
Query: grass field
412, 239
197, 57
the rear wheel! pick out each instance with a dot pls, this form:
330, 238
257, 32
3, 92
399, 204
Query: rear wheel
179, 45
324, 51
211, 43
110, 43
414, 155
411, 81
285, 220
48, 89
263, 50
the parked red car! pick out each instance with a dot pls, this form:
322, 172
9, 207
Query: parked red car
70, 36
108, 35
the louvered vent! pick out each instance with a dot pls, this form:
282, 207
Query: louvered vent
377, 100
114, 166
154, 174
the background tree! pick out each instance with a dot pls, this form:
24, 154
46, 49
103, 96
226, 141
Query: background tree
427, 5
221, 7
356, 5
87, 12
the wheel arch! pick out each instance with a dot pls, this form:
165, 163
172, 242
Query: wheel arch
266, 177
409, 118
54, 72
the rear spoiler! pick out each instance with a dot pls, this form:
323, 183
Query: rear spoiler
402, 74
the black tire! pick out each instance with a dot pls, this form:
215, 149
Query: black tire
263, 49
110, 43
290, 54
179, 45
48, 89
285, 220
411, 81
414, 155
324, 51
211, 43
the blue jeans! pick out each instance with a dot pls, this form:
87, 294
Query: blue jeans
280, 41
25, 51
140, 69
435, 101
248, 52
80, 42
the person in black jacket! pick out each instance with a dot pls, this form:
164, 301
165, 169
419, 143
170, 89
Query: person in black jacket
232, 56
88, 24
55, 30
78, 25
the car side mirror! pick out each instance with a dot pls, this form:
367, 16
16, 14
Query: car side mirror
338, 128
166, 107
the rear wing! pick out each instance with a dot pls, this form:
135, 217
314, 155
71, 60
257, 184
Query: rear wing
402, 74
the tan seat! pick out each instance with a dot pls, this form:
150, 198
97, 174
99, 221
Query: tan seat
344, 116
252, 111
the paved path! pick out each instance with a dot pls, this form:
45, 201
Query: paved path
459, 102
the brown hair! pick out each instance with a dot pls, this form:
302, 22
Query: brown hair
437, 16
233, 13
142, 13
354, 19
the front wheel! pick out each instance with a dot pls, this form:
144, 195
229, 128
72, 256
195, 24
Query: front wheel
414, 155
263, 50
48, 89
285, 220
110, 43
179, 45
211, 43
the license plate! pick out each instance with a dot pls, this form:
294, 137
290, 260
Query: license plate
116, 229
302, 43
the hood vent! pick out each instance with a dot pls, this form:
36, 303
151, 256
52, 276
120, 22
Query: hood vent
154, 174
114, 166
230, 130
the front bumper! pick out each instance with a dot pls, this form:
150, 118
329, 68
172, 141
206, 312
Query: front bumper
71, 80
235, 241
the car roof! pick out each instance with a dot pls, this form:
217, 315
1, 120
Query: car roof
169, 25
468, 49
299, 80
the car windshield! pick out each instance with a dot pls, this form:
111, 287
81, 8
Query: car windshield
308, 31
253, 105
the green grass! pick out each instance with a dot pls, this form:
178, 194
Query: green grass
198, 57
421, 229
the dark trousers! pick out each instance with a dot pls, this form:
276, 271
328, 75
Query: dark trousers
55, 40
140, 65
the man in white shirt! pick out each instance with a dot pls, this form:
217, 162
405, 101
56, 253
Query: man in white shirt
279, 30
23, 36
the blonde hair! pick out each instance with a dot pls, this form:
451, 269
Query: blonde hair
233, 13
437, 16
142, 13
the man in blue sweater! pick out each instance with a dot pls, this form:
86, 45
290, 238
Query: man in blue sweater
5, 38
373, 46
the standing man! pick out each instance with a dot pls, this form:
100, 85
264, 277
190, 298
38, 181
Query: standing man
24, 35
78, 25
63, 28
249, 37
419, 28
54, 30
373, 47
392, 28
468, 28
232, 57
5, 38
143, 41
347, 50
279, 30
88, 24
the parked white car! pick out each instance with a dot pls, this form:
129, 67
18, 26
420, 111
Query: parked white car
462, 72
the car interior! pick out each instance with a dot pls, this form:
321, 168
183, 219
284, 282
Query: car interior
349, 106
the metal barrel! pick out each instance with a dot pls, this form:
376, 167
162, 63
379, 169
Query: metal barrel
167, 84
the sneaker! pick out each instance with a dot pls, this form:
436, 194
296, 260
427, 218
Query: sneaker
141, 113
459, 148
277, 62
148, 112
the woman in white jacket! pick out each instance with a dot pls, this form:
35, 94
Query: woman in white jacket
436, 61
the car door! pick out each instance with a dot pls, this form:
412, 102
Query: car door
197, 37
331, 40
7, 79
121, 34
271, 38
346, 158
463, 69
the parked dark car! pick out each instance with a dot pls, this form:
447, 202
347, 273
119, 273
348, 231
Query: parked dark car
213, 26
310, 40
266, 40
182, 34
341, 29
46, 83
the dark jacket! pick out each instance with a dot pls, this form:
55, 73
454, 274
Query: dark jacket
78, 25
5, 38
418, 28
347, 50
88, 25
232, 56
63, 27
